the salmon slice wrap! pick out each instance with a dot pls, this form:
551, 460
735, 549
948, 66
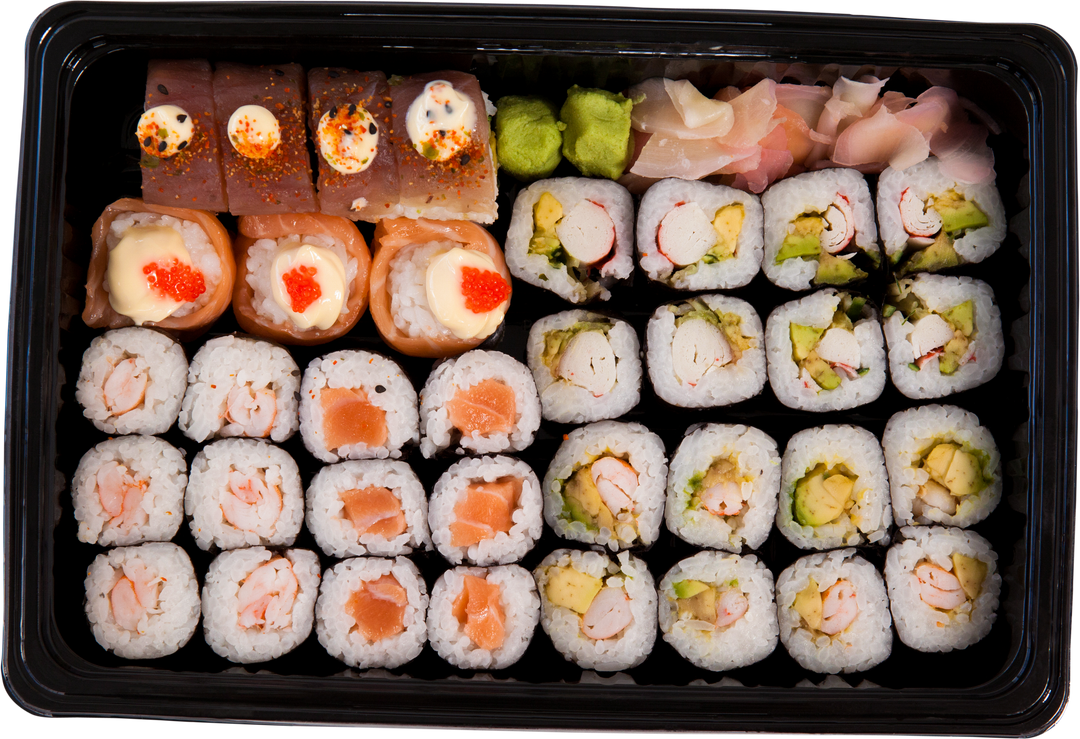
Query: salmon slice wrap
372, 612
259, 604
158, 265
178, 135
350, 124
301, 278
371, 506
486, 511
437, 288
483, 619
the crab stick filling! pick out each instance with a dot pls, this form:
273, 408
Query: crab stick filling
374, 510
150, 274
440, 121
254, 131
478, 608
484, 510
465, 293
165, 131
687, 235
348, 138
308, 283
378, 608
603, 606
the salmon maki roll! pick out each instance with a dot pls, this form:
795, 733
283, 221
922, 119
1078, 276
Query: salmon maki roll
437, 289
442, 140
371, 612
260, 118
156, 265
486, 511
483, 619
178, 135
350, 123
303, 278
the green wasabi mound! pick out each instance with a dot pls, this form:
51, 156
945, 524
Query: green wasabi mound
597, 135
528, 137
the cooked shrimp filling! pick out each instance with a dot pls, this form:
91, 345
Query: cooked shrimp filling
267, 595
250, 412
954, 475
134, 596
250, 503
125, 386
721, 490
707, 606
602, 495
121, 495
829, 612
947, 591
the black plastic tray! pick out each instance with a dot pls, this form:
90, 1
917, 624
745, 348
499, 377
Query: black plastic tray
85, 75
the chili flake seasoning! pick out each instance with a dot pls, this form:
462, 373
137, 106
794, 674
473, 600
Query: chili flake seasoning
440, 121
348, 138
254, 131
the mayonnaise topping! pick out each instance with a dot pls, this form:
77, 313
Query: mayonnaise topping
317, 277
254, 131
131, 289
440, 121
348, 138
164, 131
446, 300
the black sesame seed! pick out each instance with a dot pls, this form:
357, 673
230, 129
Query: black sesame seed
430, 114
334, 74
464, 159
352, 109
181, 118
371, 129
442, 133
333, 112
182, 146
279, 73
163, 90
148, 142
448, 108
380, 389
346, 132
162, 146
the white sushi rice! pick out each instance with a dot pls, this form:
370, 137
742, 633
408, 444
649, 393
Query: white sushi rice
461, 373
736, 271
796, 388
624, 650
757, 461
986, 350
260, 261
337, 629
408, 292
167, 623
910, 435
536, 269
866, 642
520, 606
922, 626
286, 623
564, 401
156, 466
386, 386
208, 496
720, 385
750, 639
154, 354
641, 449
924, 180
787, 199
244, 366
335, 534
858, 450
504, 547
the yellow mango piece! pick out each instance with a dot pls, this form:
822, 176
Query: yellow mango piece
963, 477
808, 605
938, 461
546, 213
970, 572
571, 589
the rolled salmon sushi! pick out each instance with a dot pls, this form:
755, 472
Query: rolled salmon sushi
437, 288
178, 135
301, 279
261, 115
156, 265
350, 123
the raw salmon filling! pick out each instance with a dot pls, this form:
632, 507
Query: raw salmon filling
486, 408
378, 608
478, 608
350, 418
485, 509
374, 510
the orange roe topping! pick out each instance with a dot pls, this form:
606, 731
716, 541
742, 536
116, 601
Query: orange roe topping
484, 290
181, 282
301, 286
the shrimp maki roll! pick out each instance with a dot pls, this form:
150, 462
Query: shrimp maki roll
599, 613
718, 610
257, 604
142, 602
132, 381
834, 613
483, 619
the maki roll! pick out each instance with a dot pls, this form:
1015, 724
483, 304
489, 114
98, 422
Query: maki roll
142, 602
944, 335
705, 352
128, 490
587, 367
132, 381
943, 588
258, 605
480, 402
367, 507
697, 236
826, 352
834, 491
240, 387
833, 613
483, 619
943, 466
599, 613
573, 236
819, 230
605, 485
722, 487
301, 279
718, 610
371, 612
932, 221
